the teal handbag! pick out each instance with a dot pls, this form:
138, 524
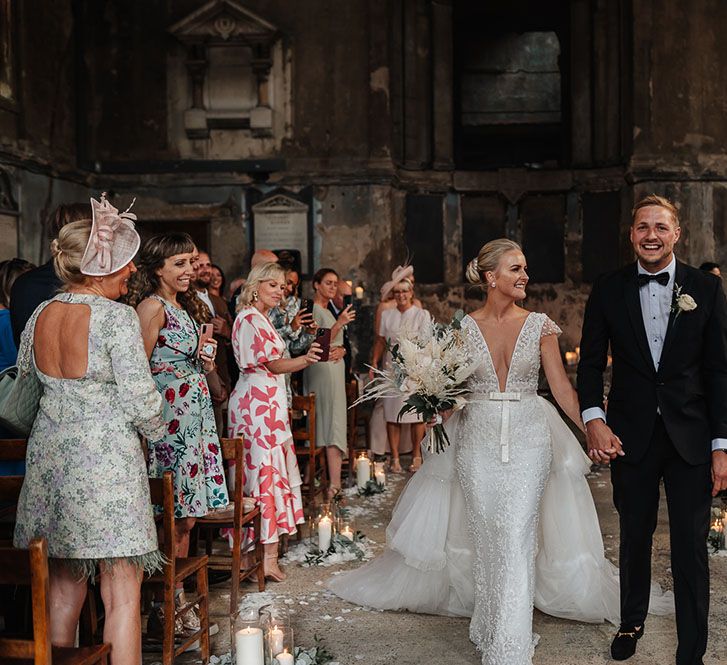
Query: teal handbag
20, 394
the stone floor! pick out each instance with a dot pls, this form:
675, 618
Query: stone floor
357, 635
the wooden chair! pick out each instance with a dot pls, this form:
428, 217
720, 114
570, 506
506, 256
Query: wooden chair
175, 571
11, 450
30, 568
317, 469
233, 451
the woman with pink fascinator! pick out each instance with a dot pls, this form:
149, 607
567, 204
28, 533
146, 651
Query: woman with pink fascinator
86, 489
391, 321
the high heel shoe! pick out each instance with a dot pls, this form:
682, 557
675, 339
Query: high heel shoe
278, 576
416, 464
395, 465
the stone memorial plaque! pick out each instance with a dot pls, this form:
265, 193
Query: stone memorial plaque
281, 222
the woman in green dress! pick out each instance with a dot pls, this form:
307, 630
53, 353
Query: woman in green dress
328, 379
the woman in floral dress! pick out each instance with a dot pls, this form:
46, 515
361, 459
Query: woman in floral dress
170, 316
258, 411
86, 490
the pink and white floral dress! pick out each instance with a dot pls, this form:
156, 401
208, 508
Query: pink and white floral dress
258, 412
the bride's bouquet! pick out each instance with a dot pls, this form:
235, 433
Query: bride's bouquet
429, 370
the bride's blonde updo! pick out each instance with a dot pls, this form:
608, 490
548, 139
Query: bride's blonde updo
488, 259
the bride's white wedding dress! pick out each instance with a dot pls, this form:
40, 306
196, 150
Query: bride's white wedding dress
502, 519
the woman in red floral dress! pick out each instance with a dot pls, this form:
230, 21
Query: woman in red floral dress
258, 411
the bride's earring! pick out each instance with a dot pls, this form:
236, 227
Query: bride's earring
254, 296
492, 284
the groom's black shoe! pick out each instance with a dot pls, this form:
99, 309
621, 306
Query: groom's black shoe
624, 644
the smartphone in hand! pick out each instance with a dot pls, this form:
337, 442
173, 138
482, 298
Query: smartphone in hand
323, 339
206, 333
307, 306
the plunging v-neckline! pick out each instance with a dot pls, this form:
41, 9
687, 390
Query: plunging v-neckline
512, 356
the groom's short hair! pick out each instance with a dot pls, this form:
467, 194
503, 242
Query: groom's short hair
656, 200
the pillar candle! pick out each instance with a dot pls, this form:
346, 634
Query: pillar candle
325, 531
249, 646
363, 471
380, 478
276, 640
285, 658
347, 533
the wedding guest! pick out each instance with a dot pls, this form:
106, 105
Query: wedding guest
10, 270
378, 438
98, 398
221, 321
405, 317
217, 281
259, 257
42, 283
336, 306
171, 314
328, 379
710, 266
259, 412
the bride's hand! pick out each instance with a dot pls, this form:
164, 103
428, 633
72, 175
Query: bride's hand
439, 419
603, 445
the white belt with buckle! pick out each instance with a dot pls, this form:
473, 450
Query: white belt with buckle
505, 398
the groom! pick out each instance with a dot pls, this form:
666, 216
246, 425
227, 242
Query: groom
666, 324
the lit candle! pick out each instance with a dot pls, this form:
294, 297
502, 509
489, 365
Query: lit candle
380, 478
249, 646
276, 640
578, 352
325, 530
359, 291
571, 357
363, 471
285, 658
347, 533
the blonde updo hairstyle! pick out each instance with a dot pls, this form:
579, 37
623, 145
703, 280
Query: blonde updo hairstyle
260, 273
67, 251
488, 260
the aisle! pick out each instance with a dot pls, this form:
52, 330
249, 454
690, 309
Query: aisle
356, 635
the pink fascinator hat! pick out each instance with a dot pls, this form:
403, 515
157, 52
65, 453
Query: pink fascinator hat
113, 242
399, 273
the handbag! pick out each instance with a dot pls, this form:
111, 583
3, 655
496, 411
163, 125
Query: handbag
20, 394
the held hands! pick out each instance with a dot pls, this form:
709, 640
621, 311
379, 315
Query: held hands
347, 315
719, 471
208, 359
603, 445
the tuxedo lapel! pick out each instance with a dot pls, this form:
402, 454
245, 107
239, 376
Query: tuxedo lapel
633, 306
680, 279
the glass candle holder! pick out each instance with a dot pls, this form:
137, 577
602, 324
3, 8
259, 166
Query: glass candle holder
363, 469
281, 638
247, 644
380, 473
346, 530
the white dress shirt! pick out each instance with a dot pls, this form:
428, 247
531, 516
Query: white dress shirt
656, 302
204, 296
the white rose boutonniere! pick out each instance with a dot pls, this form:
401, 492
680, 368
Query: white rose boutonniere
682, 302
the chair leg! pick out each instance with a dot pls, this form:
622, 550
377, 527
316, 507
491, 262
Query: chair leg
259, 554
312, 479
204, 613
169, 617
235, 577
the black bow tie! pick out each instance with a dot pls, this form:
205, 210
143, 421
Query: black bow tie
662, 278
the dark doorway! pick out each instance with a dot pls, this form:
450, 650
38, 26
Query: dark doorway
511, 83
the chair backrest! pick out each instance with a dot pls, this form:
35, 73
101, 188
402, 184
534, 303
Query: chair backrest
162, 494
307, 404
10, 488
13, 450
29, 568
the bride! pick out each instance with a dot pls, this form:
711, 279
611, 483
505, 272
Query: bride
504, 518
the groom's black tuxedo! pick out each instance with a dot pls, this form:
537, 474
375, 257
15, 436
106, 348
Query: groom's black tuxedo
690, 387
666, 420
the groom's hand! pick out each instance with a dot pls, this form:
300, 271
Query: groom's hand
603, 445
719, 471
